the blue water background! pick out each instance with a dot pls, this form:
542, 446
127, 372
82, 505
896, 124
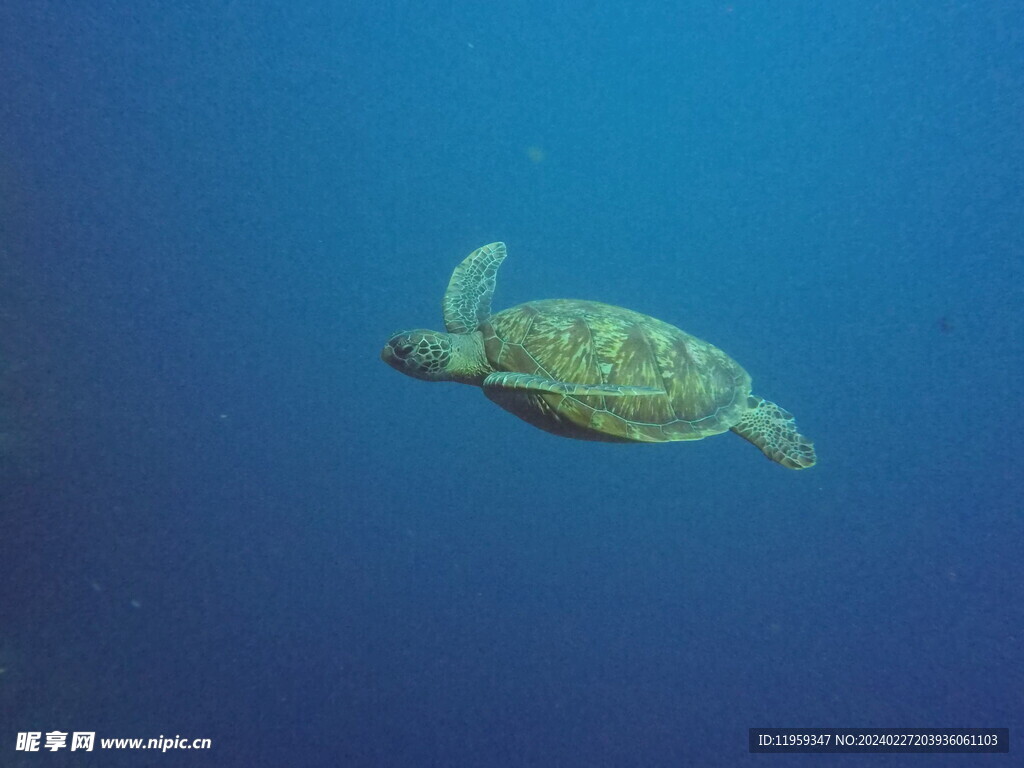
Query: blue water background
222, 516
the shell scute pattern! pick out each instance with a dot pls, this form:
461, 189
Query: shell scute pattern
591, 343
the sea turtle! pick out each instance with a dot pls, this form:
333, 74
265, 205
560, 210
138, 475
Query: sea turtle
591, 371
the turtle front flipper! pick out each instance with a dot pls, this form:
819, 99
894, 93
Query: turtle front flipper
773, 430
532, 383
467, 302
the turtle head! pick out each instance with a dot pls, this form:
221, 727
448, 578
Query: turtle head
421, 354
436, 356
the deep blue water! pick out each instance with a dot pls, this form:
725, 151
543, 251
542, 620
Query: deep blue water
222, 516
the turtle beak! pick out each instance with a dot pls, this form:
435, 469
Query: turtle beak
392, 358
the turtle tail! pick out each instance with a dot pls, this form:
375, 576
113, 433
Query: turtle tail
773, 430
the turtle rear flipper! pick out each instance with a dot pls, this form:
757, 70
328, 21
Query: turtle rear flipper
773, 430
533, 383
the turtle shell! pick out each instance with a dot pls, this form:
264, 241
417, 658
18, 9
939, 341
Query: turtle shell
586, 342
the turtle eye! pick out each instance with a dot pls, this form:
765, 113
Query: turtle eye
402, 350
